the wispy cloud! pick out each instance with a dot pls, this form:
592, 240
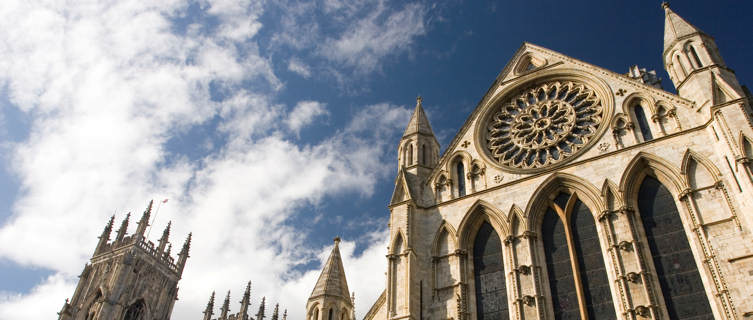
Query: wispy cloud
297, 66
107, 85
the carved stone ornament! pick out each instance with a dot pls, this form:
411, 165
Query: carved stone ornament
544, 124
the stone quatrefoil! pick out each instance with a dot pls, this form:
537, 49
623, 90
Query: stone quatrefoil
544, 124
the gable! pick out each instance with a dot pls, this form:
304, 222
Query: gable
536, 68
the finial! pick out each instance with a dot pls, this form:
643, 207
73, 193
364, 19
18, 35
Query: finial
123, 228
419, 99
665, 5
337, 240
187, 244
285, 315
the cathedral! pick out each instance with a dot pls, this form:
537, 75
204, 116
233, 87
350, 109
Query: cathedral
570, 192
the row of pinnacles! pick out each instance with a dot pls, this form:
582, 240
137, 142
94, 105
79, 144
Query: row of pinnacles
243, 313
130, 277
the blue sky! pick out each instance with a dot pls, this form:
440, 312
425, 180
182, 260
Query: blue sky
271, 126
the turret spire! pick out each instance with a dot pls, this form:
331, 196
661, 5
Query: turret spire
183, 255
165, 237
144, 222
276, 313
285, 315
105, 236
245, 302
123, 228
225, 307
418, 123
332, 280
675, 27
209, 310
260, 314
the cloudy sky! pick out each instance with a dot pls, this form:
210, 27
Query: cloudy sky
271, 127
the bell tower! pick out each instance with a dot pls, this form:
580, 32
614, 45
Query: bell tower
129, 278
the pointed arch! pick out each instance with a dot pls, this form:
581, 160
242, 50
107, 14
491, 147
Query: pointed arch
644, 163
137, 310
611, 196
746, 146
479, 212
693, 176
638, 97
447, 229
515, 220
538, 203
398, 243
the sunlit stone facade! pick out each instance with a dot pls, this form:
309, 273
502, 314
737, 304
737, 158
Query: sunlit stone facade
573, 192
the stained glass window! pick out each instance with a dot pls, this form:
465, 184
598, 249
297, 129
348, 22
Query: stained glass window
593, 271
491, 292
643, 123
560, 272
676, 269
461, 179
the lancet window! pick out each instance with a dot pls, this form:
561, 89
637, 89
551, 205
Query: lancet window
488, 266
577, 274
676, 270
460, 171
643, 126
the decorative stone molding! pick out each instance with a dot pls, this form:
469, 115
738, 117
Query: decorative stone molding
524, 269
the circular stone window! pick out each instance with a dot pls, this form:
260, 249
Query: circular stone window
543, 124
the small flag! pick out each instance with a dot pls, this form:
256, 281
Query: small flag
164, 201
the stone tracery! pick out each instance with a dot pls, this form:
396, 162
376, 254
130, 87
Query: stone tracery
544, 124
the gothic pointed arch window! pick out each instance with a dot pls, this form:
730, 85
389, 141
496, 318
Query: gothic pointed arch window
331, 314
424, 160
409, 155
576, 269
489, 275
136, 311
676, 269
460, 172
642, 120
694, 56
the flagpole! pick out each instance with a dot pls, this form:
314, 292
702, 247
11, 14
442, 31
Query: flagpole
154, 218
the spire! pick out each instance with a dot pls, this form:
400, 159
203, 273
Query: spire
165, 236
225, 307
285, 315
418, 123
260, 314
675, 27
123, 228
332, 281
183, 255
276, 313
245, 302
209, 311
105, 237
144, 222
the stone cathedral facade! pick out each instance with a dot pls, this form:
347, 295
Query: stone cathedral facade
573, 192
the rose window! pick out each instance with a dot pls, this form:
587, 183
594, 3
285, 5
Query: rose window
544, 124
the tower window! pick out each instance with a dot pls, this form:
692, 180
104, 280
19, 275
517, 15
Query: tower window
640, 117
135, 311
410, 155
695, 57
423, 154
461, 178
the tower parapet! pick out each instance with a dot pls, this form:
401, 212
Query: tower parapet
129, 275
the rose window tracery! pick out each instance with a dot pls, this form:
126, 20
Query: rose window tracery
543, 124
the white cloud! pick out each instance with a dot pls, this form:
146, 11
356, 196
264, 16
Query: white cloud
297, 66
376, 36
303, 113
359, 34
36, 304
108, 85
